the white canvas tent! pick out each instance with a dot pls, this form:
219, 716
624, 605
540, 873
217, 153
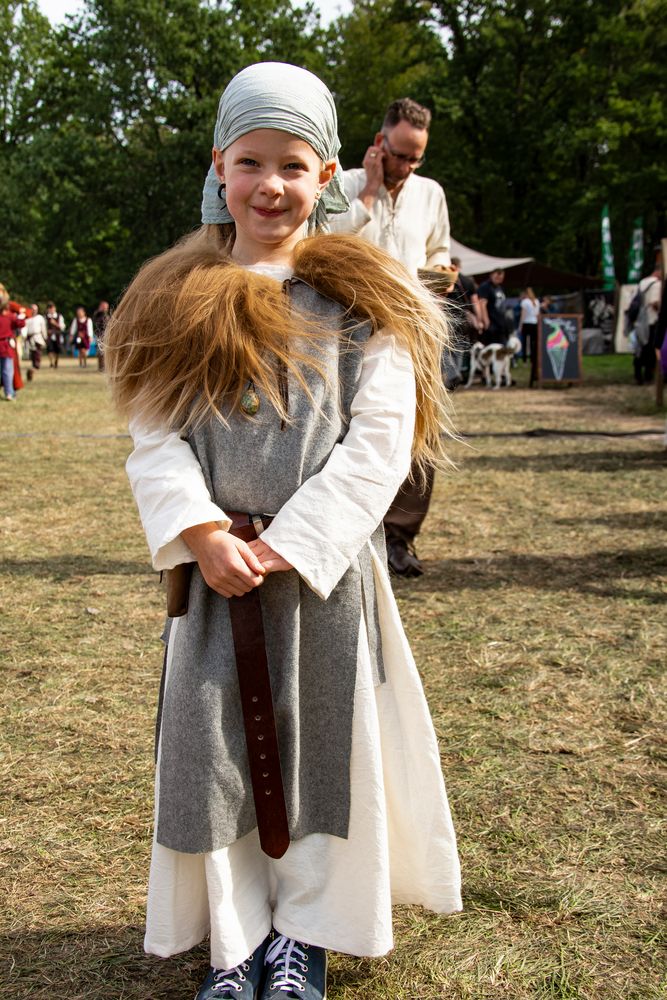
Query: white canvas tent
475, 262
519, 270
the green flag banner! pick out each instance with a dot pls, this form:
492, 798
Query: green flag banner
608, 272
636, 255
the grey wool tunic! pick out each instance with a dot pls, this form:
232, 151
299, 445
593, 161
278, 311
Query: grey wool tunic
255, 464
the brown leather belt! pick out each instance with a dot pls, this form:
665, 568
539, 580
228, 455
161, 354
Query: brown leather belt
256, 700
257, 705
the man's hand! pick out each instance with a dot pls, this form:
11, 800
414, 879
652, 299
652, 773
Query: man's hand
270, 560
225, 562
373, 164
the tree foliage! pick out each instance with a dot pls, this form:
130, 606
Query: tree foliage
543, 111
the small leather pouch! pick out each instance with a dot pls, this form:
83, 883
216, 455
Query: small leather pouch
177, 581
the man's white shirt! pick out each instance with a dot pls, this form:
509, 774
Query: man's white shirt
414, 228
652, 291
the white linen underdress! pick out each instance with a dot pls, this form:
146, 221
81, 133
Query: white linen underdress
327, 891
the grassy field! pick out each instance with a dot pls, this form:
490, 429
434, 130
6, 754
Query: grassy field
539, 629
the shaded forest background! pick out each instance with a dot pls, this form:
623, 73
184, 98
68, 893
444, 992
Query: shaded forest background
543, 111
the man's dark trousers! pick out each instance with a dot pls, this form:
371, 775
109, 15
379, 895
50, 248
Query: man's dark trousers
406, 515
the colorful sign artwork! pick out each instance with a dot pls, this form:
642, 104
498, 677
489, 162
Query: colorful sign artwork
557, 348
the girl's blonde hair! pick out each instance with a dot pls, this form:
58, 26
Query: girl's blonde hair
193, 329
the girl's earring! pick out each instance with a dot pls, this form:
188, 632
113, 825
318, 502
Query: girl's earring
318, 195
220, 190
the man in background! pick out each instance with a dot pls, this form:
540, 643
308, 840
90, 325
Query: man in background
492, 300
469, 319
646, 357
406, 215
390, 205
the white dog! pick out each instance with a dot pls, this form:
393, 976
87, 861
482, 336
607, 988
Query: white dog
493, 362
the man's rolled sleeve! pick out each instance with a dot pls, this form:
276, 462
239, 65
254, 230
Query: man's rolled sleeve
438, 243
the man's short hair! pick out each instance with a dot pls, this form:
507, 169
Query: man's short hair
456, 261
498, 270
407, 110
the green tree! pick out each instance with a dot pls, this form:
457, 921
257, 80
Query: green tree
381, 51
558, 111
543, 111
28, 46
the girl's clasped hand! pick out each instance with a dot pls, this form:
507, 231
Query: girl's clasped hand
229, 565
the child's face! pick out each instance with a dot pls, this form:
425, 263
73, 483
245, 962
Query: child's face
272, 179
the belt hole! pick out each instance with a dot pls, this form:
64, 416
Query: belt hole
267, 791
265, 774
262, 756
260, 737
255, 698
258, 718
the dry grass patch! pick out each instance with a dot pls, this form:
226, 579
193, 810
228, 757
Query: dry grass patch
539, 629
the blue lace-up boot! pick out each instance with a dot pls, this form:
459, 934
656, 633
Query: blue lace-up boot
295, 971
240, 983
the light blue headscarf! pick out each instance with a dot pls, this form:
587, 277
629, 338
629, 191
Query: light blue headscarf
280, 96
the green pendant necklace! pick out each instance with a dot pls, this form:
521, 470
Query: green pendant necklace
250, 400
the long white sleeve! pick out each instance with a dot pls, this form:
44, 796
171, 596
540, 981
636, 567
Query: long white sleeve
357, 215
413, 227
438, 240
170, 492
322, 528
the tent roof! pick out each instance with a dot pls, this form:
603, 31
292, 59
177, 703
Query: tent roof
519, 270
475, 262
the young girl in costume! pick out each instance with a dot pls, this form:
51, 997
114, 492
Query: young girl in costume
277, 387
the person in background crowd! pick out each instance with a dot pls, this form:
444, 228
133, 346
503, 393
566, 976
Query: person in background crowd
661, 325
9, 324
406, 215
529, 315
547, 305
492, 301
55, 339
661, 341
646, 355
469, 323
528, 323
81, 335
100, 319
466, 295
35, 335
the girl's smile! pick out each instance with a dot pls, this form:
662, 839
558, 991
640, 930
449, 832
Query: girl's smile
269, 213
272, 182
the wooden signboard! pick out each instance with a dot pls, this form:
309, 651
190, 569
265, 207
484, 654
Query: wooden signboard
559, 348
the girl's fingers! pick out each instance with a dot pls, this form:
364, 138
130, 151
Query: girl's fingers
236, 589
270, 560
250, 558
237, 586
